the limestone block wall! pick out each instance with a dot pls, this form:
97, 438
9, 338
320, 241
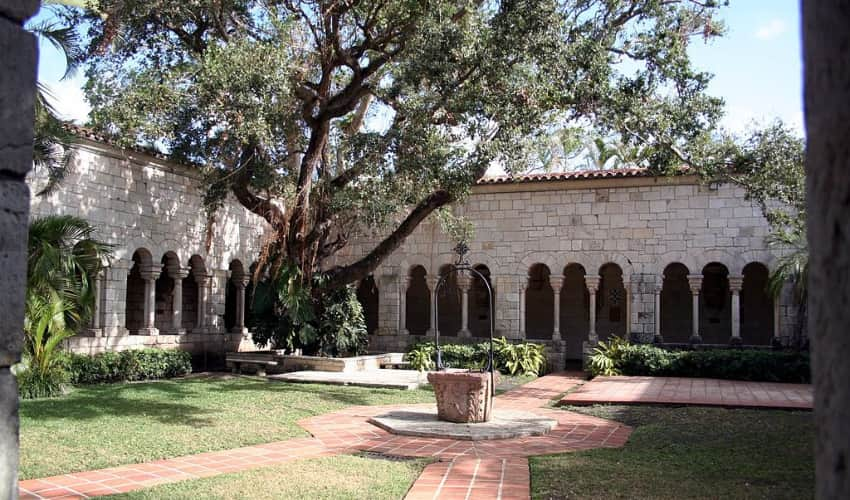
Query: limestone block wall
139, 202
640, 223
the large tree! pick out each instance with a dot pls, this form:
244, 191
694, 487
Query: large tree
325, 117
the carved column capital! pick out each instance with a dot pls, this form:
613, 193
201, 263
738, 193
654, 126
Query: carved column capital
592, 283
556, 282
695, 282
736, 283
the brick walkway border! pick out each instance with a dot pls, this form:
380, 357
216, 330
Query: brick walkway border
464, 469
692, 391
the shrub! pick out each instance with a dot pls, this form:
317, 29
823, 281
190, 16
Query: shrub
525, 358
731, 364
34, 383
132, 365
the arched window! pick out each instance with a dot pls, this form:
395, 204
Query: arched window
756, 306
611, 299
479, 303
575, 317
191, 293
164, 317
715, 313
367, 294
448, 300
134, 307
237, 272
676, 305
418, 302
539, 304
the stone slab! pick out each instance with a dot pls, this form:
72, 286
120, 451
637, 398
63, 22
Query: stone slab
384, 378
17, 81
504, 424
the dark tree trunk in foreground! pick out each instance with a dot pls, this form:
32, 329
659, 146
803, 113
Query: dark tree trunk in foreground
826, 39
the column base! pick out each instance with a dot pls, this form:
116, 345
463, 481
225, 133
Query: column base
593, 338
695, 339
150, 331
404, 331
464, 333
241, 330
736, 341
556, 336
657, 339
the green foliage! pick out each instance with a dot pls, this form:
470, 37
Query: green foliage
342, 326
526, 358
285, 316
607, 355
130, 365
40, 383
731, 364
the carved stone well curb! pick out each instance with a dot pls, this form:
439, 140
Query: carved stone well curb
463, 396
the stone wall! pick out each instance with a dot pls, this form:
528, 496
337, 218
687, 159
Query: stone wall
626, 223
17, 96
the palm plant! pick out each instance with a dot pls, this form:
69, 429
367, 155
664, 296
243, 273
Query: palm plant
792, 268
62, 264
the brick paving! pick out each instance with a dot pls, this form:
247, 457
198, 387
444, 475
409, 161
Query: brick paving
692, 391
463, 469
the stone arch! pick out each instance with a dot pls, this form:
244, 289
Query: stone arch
134, 306
164, 292
479, 311
448, 303
761, 256
756, 305
575, 313
368, 295
193, 285
599, 260
611, 307
696, 260
236, 273
549, 259
676, 315
417, 301
715, 304
539, 303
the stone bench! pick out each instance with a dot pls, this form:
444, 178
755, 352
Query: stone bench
259, 365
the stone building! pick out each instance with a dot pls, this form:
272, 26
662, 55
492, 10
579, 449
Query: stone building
572, 258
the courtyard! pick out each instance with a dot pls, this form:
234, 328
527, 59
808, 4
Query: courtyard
226, 437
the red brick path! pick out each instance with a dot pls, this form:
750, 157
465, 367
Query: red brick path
692, 391
465, 469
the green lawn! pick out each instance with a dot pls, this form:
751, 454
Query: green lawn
688, 453
343, 476
108, 425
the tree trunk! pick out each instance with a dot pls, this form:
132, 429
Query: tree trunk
826, 40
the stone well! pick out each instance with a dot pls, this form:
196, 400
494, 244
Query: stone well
463, 396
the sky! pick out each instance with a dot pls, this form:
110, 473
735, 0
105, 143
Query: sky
757, 66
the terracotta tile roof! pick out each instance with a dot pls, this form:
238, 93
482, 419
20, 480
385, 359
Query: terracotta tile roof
93, 135
567, 176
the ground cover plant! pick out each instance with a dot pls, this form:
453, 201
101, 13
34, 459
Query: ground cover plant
619, 357
343, 476
523, 358
112, 424
689, 452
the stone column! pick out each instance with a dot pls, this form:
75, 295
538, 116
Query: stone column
115, 298
177, 274
735, 285
627, 286
148, 326
695, 282
96, 326
557, 282
658, 339
432, 312
202, 280
777, 340
241, 283
592, 283
403, 285
464, 282
523, 287
17, 96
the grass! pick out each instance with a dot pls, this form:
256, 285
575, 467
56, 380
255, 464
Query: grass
690, 452
338, 477
109, 425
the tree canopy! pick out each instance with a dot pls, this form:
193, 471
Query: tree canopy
328, 116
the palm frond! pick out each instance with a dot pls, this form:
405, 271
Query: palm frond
65, 39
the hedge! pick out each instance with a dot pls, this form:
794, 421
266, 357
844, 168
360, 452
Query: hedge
131, 365
525, 358
730, 364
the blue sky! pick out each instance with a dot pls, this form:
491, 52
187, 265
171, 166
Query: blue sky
757, 66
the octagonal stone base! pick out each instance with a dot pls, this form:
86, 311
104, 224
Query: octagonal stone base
504, 424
